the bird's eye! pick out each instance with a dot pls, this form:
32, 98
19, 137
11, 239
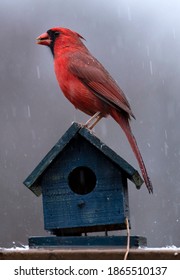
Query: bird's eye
56, 33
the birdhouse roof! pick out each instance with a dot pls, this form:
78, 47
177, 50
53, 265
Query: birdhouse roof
32, 181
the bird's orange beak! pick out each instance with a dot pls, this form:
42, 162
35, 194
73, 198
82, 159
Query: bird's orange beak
43, 39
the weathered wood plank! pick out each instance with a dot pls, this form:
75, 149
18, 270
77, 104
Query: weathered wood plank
90, 254
88, 241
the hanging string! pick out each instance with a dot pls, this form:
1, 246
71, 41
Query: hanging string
128, 239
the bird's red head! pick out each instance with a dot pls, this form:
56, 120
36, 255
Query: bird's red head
60, 36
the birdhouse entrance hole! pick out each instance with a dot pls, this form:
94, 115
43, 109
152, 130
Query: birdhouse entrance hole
82, 180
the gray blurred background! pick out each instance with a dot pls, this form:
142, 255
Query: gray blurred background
139, 43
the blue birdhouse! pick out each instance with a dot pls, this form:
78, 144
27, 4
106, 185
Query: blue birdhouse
84, 189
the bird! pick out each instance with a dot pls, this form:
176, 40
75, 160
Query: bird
88, 85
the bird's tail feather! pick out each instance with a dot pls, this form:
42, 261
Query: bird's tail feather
124, 123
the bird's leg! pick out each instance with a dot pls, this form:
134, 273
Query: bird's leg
94, 117
99, 117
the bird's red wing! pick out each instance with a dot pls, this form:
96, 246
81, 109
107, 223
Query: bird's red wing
98, 80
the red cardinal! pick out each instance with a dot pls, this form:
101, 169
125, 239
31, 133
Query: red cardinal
88, 85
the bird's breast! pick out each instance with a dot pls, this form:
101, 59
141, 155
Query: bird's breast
77, 92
